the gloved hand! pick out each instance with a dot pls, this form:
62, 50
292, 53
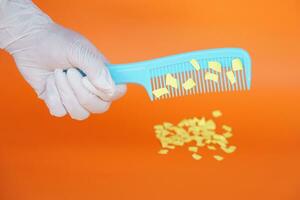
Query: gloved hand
43, 49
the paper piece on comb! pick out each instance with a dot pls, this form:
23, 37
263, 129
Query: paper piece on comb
227, 128
171, 81
163, 151
218, 158
195, 64
196, 156
217, 113
214, 65
211, 76
237, 64
231, 77
189, 84
160, 92
193, 149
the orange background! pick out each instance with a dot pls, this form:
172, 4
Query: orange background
114, 155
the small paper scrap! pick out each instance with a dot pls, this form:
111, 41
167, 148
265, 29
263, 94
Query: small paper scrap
218, 158
211, 147
196, 156
227, 128
170, 147
217, 113
193, 149
189, 84
195, 64
230, 149
227, 135
163, 151
237, 64
160, 92
171, 81
214, 65
211, 76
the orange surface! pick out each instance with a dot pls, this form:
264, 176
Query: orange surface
114, 155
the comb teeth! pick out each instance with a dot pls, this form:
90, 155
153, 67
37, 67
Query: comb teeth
183, 71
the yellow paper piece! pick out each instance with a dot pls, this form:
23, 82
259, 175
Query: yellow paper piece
196, 156
189, 84
214, 65
170, 147
230, 149
237, 64
195, 64
217, 113
218, 158
171, 81
231, 77
193, 149
160, 92
163, 151
227, 128
211, 76
211, 147
227, 135
208, 141
220, 138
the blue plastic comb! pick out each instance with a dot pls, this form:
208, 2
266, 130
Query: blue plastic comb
151, 74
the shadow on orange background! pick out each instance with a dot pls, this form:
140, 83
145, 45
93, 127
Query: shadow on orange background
114, 155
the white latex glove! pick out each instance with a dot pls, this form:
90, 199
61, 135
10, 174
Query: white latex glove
43, 49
